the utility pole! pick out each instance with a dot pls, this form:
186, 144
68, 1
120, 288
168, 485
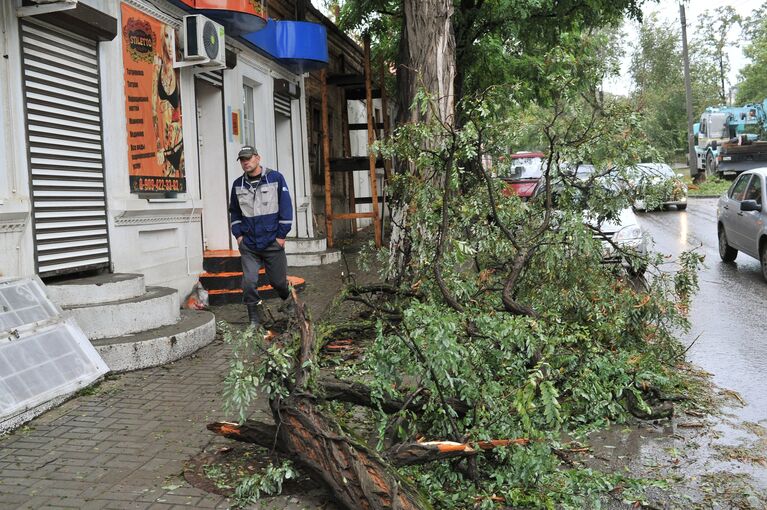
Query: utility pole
693, 159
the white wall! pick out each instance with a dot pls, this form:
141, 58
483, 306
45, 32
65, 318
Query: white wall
160, 238
16, 251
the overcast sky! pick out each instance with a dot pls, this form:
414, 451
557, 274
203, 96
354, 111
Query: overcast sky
669, 11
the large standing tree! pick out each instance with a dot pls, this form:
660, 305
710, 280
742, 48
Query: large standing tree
427, 58
659, 94
717, 31
496, 42
753, 76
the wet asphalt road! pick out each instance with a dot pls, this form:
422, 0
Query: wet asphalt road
728, 313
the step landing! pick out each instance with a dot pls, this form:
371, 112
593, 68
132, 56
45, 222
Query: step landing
308, 259
311, 251
91, 290
158, 306
217, 297
158, 346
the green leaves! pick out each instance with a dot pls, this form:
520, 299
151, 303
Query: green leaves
254, 370
269, 481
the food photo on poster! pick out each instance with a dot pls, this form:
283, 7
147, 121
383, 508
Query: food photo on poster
152, 104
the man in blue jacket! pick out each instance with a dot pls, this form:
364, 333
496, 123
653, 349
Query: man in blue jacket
261, 214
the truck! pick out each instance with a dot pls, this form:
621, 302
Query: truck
731, 139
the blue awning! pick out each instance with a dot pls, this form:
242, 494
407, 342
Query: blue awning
301, 46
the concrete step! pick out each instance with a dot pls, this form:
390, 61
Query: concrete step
232, 280
313, 258
301, 252
311, 251
157, 307
158, 346
305, 244
96, 289
221, 261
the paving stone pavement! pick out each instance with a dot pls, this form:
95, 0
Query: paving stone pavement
123, 444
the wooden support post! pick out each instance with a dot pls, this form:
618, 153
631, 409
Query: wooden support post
326, 160
371, 140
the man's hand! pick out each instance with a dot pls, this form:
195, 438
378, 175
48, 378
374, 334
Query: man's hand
281, 242
239, 240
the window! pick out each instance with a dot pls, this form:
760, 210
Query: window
248, 120
754, 190
738, 190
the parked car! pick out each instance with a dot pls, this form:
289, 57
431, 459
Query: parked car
620, 237
523, 173
662, 177
741, 220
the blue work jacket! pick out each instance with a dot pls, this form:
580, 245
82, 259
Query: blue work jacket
262, 213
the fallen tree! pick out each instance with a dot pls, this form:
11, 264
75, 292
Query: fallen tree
358, 477
508, 334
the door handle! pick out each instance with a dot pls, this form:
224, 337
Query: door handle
726, 206
740, 214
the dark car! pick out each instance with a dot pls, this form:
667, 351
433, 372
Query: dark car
523, 172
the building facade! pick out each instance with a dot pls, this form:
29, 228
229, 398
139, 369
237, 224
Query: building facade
113, 159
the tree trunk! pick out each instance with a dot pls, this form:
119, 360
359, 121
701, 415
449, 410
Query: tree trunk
358, 477
427, 57
426, 60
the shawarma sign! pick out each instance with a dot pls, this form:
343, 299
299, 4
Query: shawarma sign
152, 105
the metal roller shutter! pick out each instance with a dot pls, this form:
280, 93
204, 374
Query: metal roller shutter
215, 78
63, 114
282, 104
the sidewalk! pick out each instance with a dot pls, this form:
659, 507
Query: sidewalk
124, 443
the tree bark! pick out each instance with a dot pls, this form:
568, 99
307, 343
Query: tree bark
361, 395
426, 60
403, 454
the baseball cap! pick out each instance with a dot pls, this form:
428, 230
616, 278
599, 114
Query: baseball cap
247, 152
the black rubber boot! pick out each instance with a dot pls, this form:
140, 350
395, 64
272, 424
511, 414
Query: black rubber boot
254, 314
288, 307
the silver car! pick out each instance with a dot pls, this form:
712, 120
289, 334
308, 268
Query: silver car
658, 174
621, 236
741, 220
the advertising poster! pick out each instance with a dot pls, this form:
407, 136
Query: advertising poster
152, 105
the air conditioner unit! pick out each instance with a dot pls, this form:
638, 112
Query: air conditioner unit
204, 42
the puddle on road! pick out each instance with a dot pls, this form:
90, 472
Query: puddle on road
711, 462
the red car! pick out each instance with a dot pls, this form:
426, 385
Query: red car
523, 173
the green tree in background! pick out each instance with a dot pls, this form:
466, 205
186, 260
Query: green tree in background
657, 73
716, 32
500, 42
753, 77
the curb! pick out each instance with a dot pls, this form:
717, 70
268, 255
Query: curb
702, 196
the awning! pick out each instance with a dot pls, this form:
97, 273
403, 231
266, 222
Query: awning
301, 46
237, 16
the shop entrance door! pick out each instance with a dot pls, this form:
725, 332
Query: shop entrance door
214, 187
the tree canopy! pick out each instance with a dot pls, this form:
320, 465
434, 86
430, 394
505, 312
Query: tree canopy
500, 41
659, 94
753, 77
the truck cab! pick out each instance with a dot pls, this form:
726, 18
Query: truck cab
730, 139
